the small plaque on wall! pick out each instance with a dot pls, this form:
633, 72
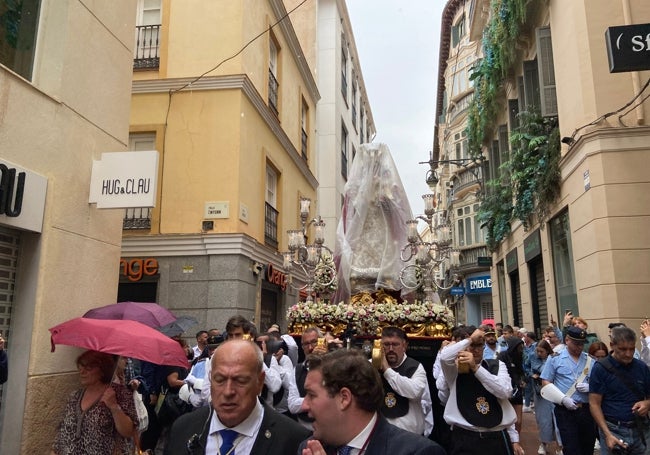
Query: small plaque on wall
220, 209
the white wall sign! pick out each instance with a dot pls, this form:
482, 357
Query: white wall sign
22, 197
124, 179
219, 209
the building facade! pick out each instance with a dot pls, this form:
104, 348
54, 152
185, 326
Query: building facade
455, 177
344, 118
232, 111
564, 211
65, 76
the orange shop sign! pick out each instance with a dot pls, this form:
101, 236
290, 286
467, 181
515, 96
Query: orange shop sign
135, 268
276, 277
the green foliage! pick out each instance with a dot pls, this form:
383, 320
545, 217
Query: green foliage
534, 166
499, 55
530, 181
495, 212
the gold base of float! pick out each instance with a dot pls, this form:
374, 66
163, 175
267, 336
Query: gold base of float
368, 314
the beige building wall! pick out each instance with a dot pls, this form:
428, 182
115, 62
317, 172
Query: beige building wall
610, 244
217, 134
74, 108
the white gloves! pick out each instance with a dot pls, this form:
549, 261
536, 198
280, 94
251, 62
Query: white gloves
569, 404
583, 387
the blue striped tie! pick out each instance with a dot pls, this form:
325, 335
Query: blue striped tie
345, 450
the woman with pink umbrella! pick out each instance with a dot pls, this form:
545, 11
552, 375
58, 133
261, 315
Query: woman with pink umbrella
99, 417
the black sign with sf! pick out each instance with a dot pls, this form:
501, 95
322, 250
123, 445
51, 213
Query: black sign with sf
628, 48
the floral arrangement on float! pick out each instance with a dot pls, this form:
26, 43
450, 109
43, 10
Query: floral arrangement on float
369, 313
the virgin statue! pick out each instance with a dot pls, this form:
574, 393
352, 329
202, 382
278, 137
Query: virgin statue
372, 228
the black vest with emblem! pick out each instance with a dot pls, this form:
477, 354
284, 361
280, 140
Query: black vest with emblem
478, 406
301, 374
395, 405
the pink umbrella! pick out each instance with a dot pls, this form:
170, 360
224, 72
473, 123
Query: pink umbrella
125, 338
488, 322
150, 314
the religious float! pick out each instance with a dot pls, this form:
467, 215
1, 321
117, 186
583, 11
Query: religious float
369, 281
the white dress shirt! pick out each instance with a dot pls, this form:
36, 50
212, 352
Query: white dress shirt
247, 430
413, 389
360, 441
499, 386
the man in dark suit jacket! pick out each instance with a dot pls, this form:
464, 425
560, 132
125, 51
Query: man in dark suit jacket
344, 394
228, 426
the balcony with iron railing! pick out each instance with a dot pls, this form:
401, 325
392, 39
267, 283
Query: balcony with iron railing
303, 144
465, 178
457, 108
271, 226
137, 218
147, 46
273, 92
469, 258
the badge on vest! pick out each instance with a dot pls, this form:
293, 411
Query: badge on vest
482, 405
390, 400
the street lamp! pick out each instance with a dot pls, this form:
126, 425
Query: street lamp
315, 259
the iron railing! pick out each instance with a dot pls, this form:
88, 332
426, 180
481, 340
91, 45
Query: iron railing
271, 226
303, 145
137, 218
147, 45
273, 92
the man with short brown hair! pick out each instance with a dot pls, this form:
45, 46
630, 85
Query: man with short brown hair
344, 393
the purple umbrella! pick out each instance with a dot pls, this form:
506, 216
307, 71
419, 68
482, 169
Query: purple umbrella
150, 314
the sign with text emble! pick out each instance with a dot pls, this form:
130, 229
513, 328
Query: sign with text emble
479, 284
124, 179
22, 197
628, 47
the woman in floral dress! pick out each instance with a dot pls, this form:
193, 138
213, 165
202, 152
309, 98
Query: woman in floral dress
98, 418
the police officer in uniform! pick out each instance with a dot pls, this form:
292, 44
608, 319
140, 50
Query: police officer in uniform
405, 383
478, 410
565, 382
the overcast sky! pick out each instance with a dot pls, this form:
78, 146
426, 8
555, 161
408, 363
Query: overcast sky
398, 45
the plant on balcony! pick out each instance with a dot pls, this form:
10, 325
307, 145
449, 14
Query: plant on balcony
495, 212
534, 166
499, 55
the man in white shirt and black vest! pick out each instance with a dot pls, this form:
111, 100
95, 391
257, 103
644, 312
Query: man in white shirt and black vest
405, 382
296, 395
478, 410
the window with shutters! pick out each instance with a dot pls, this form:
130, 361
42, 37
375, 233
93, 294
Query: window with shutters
458, 32
344, 152
304, 127
274, 85
504, 152
547, 93
531, 99
271, 211
147, 35
344, 69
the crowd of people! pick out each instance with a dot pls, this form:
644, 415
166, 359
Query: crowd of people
247, 392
